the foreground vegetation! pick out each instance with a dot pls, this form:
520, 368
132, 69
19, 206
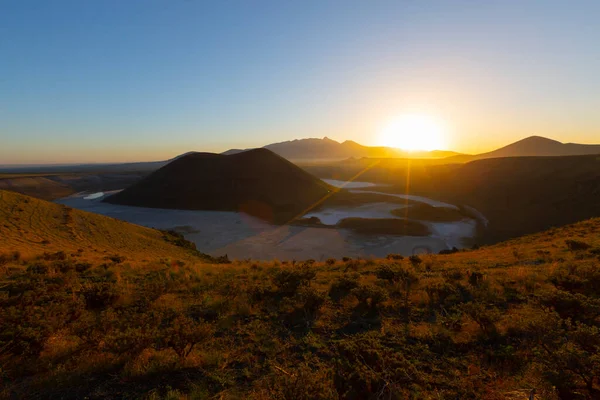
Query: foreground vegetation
494, 323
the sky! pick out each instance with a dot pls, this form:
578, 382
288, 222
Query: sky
134, 80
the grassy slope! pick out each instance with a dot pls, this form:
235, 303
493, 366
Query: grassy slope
33, 226
487, 323
37, 185
55, 185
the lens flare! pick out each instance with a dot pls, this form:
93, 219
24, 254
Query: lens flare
414, 132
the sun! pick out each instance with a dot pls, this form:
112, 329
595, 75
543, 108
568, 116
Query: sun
414, 132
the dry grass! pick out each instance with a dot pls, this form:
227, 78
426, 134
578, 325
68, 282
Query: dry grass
491, 323
39, 186
31, 226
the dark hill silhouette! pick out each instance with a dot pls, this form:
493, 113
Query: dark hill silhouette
533, 146
257, 182
527, 194
327, 150
518, 195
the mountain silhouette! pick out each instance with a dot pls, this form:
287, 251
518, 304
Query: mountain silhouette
257, 182
326, 149
533, 146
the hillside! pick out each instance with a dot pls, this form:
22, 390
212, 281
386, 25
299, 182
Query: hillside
40, 186
533, 146
320, 150
518, 195
31, 227
257, 182
52, 186
501, 322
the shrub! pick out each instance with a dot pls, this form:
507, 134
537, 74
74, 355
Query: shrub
82, 267
182, 334
342, 286
370, 296
399, 275
439, 292
568, 353
485, 317
372, 366
312, 300
387, 273
475, 278
130, 340
415, 260
178, 239
100, 295
301, 383
576, 245
352, 265
63, 266
573, 306
58, 256
583, 279
307, 304
222, 260
117, 259
452, 275
289, 280
449, 251
15, 256
38, 268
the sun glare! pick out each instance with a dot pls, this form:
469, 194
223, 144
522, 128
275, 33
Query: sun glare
414, 132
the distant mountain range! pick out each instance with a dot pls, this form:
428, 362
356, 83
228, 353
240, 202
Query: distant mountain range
330, 150
321, 150
533, 146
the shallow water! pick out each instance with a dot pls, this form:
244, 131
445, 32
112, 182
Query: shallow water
350, 184
331, 216
420, 199
241, 236
94, 196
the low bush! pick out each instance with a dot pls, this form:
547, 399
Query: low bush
576, 245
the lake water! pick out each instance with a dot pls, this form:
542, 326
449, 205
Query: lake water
241, 236
452, 234
94, 196
350, 184
420, 199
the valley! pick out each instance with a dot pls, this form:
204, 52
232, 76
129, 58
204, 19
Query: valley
545, 192
241, 236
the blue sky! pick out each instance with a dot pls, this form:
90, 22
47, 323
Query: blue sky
132, 80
